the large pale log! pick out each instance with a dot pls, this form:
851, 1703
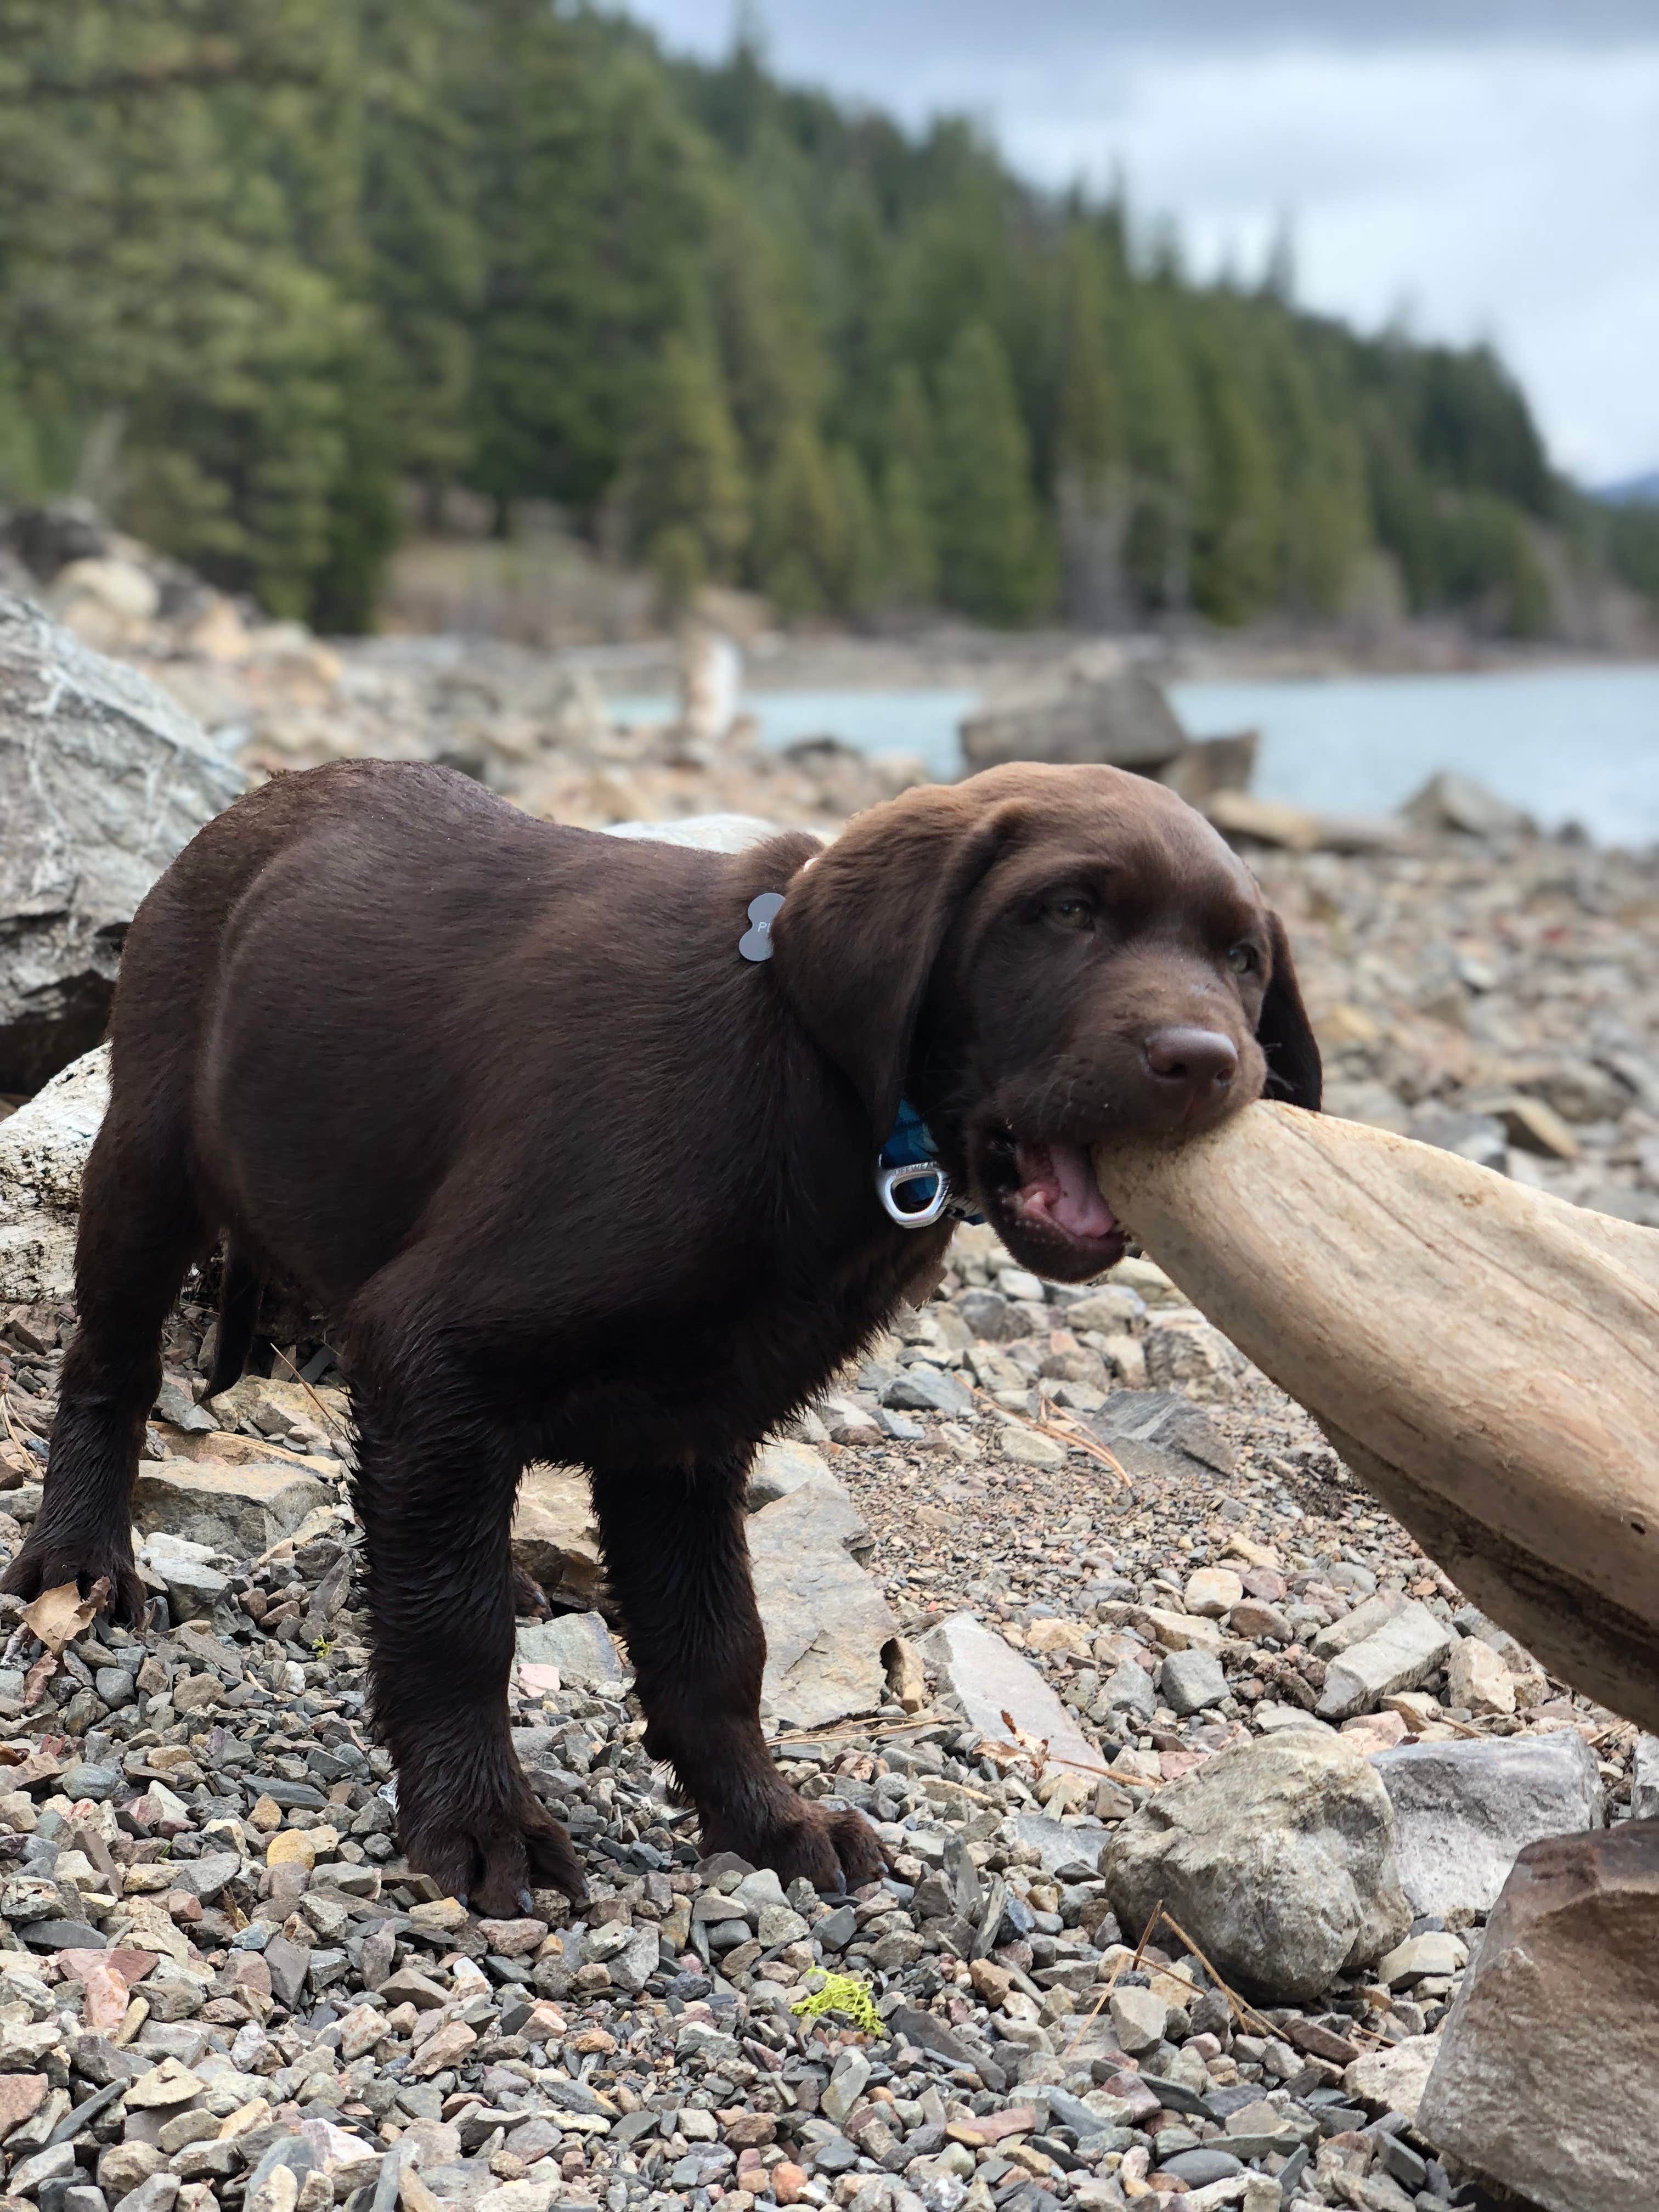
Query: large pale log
1485, 1357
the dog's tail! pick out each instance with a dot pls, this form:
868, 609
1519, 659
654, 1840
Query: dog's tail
238, 1315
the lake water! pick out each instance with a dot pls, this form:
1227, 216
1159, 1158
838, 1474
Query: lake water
1570, 744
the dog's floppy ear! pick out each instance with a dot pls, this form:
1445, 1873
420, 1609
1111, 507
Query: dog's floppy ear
1286, 1034
862, 925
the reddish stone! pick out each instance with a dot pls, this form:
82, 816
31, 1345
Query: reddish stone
21, 2096
789, 2182
1015, 2120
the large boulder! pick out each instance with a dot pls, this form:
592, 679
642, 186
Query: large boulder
1277, 1858
43, 1149
1091, 709
1548, 2078
102, 779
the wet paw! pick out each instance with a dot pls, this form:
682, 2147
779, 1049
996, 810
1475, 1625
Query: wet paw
835, 1851
494, 1863
47, 1565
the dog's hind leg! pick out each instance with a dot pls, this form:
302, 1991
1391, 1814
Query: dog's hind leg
677, 1565
140, 1228
238, 1317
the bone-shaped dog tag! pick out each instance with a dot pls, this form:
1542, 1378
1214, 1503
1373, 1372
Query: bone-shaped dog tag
756, 943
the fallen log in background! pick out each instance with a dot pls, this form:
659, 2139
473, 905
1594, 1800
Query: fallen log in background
1484, 1356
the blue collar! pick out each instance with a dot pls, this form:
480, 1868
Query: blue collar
911, 1141
909, 1162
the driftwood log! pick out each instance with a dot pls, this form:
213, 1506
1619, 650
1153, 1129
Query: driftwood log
1485, 1357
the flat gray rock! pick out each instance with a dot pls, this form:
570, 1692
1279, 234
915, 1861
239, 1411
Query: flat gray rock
990, 1678
924, 1388
578, 1643
1166, 1423
825, 1619
1463, 1811
782, 1467
1091, 708
1190, 1681
1057, 1844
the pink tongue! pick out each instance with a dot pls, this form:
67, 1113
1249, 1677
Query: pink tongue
1080, 1207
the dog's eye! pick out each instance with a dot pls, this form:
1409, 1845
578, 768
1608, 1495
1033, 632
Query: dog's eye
1243, 959
1070, 912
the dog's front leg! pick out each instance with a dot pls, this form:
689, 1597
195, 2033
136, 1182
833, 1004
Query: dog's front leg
435, 1487
677, 1565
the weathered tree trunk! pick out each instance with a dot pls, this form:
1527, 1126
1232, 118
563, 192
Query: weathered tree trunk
1485, 1357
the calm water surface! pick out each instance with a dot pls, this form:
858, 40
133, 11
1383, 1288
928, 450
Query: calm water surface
1578, 745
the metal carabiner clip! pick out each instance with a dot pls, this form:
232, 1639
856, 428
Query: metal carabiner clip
890, 1181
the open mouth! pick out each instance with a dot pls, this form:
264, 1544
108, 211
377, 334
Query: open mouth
1042, 1195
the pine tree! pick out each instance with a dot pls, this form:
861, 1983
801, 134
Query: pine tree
591, 202
1092, 491
908, 552
773, 359
860, 574
800, 558
684, 487
993, 562
426, 254
1237, 520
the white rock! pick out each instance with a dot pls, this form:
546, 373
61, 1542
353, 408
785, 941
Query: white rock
1440, 1951
1645, 1779
1399, 1655
1138, 2017
43, 1152
710, 833
1213, 1591
1477, 1679
1395, 2078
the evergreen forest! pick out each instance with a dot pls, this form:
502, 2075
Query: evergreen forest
277, 277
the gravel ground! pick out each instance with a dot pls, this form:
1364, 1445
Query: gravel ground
220, 1983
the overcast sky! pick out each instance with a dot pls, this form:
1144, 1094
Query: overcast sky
1490, 167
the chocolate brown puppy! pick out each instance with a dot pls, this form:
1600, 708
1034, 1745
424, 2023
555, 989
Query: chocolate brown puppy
574, 1179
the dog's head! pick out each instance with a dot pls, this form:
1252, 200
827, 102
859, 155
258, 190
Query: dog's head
1040, 959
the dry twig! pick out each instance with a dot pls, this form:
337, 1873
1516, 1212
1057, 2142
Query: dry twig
1118, 1972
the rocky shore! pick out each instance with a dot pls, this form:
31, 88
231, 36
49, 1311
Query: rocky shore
1202, 1785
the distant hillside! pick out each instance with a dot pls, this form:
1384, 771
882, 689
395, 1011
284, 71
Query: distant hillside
1634, 491
735, 330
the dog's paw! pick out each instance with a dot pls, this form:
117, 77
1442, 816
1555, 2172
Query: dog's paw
490, 1860
835, 1851
44, 1564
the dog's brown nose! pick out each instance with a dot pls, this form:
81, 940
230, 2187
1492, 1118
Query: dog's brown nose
1191, 1067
